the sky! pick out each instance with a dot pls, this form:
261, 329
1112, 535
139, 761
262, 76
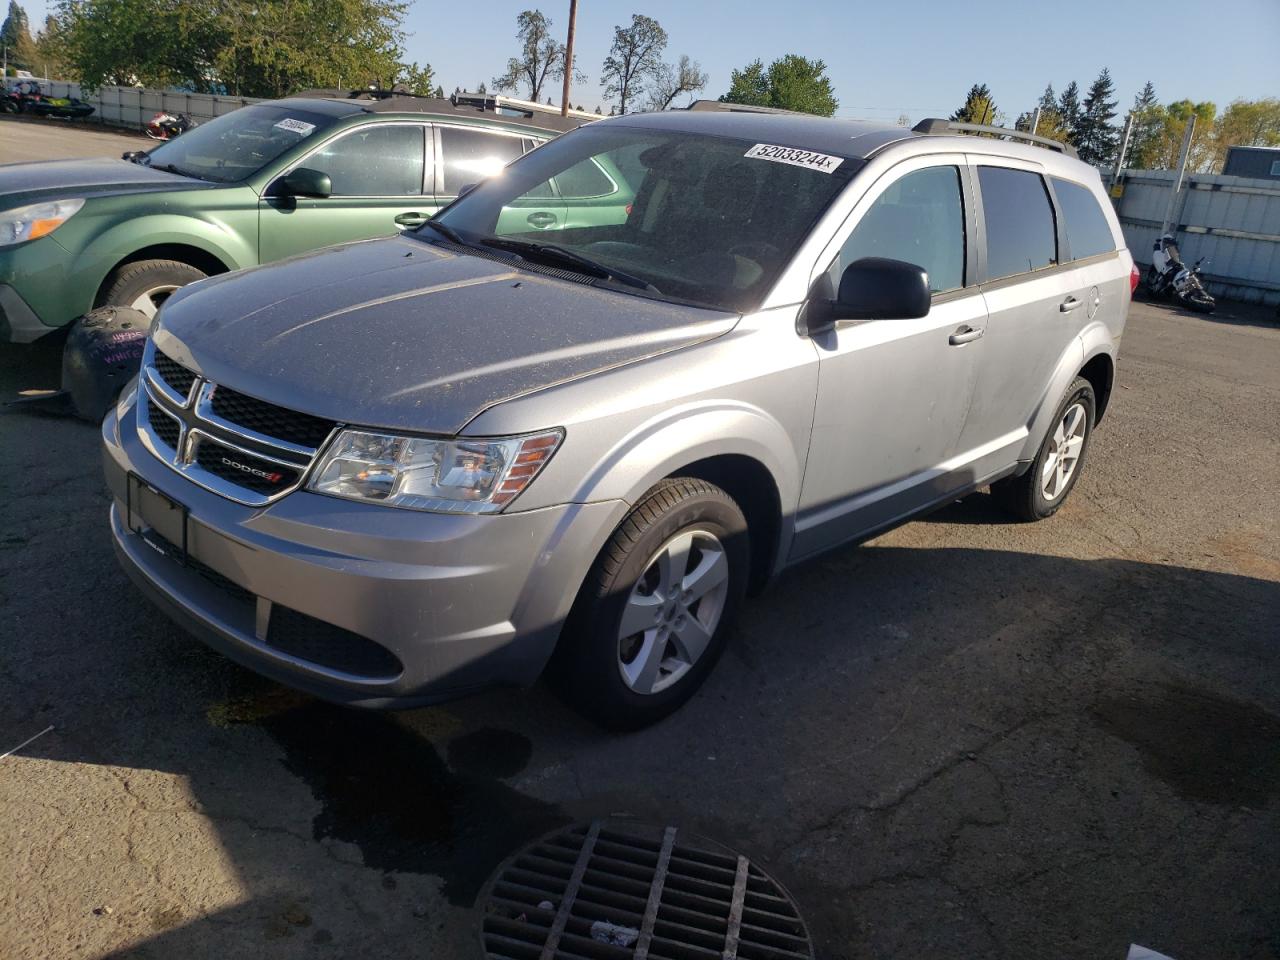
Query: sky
913, 57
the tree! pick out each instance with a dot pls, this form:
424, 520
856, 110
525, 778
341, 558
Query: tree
439, 93
416, 79
15, 34
1144, 135
1069, 110
978, 107
1096, 138
541, 57
792, 82
1246, 123
1173, 126
634, 60
675, 80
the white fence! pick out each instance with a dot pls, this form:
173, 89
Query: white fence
134, 106
1233, 222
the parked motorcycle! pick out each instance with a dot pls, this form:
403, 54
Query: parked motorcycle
1170, 278
167, 126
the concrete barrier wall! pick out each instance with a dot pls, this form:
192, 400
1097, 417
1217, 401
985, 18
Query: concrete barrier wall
1233, 222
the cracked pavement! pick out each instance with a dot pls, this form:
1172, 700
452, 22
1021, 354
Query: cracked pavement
967, 738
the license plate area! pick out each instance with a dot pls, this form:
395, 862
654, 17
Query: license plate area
157, 518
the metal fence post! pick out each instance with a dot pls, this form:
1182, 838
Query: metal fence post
1116, 191
1035, 122
1176, 186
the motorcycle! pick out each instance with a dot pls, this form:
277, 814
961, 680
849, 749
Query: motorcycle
167, 126
1172, 279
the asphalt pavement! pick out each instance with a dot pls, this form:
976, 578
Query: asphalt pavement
967, 738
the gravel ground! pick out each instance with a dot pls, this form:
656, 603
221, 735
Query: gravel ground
967, 738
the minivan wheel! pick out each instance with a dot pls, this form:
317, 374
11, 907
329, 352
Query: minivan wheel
1041, 491
652, 617
146, 284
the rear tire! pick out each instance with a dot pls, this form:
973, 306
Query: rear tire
145, 284
1040, 492
676, 570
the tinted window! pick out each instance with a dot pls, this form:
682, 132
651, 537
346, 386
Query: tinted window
1019, 221
376, 161
918, 219
584, 180
1088, 232
471, 155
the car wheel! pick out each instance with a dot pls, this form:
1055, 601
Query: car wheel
652, 617
1041, 491
145, 284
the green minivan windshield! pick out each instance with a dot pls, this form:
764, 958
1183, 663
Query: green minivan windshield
237, 145
693, 217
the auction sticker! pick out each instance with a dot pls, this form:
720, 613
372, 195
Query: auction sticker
296, 126
822, 162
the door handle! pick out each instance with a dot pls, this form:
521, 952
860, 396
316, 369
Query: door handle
965, 334
1069, 304
541, 220
412, 219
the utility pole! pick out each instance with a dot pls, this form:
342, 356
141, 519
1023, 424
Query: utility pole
1175, 188
568, 58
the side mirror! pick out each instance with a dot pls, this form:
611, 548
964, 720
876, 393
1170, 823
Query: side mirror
876, 288
305, 182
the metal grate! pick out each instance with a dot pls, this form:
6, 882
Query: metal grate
329, 646
268, 419
178, 377
619, 890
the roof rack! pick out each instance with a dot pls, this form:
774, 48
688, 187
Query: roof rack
496, 103
937, 125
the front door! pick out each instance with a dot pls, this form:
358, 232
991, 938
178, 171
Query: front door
377, 172
893, 394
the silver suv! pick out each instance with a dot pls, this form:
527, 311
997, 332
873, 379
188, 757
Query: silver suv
399, 470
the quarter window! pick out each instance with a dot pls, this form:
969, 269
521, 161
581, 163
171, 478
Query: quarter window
1019, 221
583, 181
471, 155
920, 220
1088, 232
380, 161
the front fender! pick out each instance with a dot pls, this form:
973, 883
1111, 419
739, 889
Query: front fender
99, 257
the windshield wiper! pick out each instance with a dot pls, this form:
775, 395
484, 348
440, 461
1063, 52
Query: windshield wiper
170, 168
550, 252
447, 232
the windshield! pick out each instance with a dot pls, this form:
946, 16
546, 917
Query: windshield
235, 146
712, 220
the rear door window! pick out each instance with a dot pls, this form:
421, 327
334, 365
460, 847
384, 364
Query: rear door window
1088, 232
920, 220
1019, 221
468, 156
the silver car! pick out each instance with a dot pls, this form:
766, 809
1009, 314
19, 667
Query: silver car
399, 470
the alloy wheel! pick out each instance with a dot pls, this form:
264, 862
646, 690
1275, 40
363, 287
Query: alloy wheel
1065, 447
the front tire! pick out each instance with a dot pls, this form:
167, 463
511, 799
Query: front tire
145, 284
653, 615
1040, 492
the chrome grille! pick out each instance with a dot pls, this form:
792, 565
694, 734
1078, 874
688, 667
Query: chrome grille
242, 448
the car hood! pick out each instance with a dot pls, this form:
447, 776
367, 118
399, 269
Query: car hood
402, 334
23, 183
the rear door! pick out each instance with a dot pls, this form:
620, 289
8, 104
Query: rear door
378, 173
465, 155
1101, 273
1034, 304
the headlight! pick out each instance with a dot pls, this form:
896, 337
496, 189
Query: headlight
444, 476
37, 220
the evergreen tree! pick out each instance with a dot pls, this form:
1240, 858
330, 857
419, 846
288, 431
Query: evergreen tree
1148, 122
1069, 110
15, 34
1096, 137
1048, 99
979, 107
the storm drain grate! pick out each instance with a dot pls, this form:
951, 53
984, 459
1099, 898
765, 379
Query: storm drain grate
618, 890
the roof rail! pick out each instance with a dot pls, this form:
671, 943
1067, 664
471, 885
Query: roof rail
937, 125
723, 106
492, 101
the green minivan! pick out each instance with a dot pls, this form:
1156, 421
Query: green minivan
264, 182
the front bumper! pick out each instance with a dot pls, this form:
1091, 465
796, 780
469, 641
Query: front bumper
356, 603
40, 290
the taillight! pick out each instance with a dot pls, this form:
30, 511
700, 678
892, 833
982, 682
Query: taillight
1134, 277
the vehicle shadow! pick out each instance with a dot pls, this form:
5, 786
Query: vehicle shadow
855, 688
